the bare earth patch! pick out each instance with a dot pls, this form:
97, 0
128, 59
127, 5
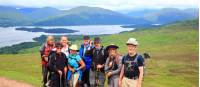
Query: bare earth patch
4, 82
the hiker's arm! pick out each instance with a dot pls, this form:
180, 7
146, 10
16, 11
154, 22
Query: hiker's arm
52, 65
82, 65
141, 68
121, 73
119, 67
140, 76
70, 68
102, 63
121, 76
106, 65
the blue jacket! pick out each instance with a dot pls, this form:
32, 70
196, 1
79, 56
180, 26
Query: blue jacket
86, 57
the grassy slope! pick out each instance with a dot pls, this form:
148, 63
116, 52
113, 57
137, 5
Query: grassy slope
173, 48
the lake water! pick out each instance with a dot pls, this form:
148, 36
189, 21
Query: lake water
10, 36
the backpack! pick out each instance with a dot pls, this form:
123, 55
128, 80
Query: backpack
133, 68
101, 51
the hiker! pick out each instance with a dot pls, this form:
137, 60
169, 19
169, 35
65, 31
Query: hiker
75, 66
65, 48
132, 66
84, 53
45, 49
57, 67
113, 65
99, 56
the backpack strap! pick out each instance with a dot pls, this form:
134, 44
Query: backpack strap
136, 58
75, 59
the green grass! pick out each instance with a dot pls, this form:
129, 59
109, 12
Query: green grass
22, 67
173, 48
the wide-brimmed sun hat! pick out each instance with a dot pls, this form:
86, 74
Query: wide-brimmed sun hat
132, 41
74, 47
112, 46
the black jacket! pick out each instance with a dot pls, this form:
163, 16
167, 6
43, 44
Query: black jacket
98, 56
57, 62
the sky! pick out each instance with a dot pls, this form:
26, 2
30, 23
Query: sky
117, 5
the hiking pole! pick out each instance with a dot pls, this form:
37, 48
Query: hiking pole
97, 77
65, 83
72, 80
61, 80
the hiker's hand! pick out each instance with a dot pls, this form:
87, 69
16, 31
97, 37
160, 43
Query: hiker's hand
99, 66
120, 83
109, 74
65, 69
46, 58
60, 72
73, 70
110, 64
91, 42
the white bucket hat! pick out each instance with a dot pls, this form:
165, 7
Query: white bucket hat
132, 41
73, 47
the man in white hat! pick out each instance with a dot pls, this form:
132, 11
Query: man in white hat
132, 66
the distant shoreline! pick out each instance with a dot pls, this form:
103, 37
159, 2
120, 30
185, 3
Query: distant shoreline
51, 30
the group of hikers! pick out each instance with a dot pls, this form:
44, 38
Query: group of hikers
91, 65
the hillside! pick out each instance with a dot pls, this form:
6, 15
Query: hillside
165, 15
10, 16
173, 48
84, 15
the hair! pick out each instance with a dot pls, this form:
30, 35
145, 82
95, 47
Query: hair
116, 56
58, 44
63, 37
97, 40
86, 37
50, 38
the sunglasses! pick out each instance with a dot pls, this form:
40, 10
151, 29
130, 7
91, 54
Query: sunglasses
58, 47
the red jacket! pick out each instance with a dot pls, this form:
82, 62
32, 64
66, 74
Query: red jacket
44, 51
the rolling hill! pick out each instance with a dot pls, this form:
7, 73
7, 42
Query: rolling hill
166, 15
10, 16
84, 15
37, 14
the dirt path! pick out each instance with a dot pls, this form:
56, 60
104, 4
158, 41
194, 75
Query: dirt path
4, 82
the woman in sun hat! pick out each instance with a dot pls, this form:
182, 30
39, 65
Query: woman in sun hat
113, 65
75, 65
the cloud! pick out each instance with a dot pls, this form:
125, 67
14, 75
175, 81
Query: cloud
109, 4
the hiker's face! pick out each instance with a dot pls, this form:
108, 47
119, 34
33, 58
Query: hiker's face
97, 44
131, 48
86, 42
73, 51
58, 49
112, 51
64, 41
50, 42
